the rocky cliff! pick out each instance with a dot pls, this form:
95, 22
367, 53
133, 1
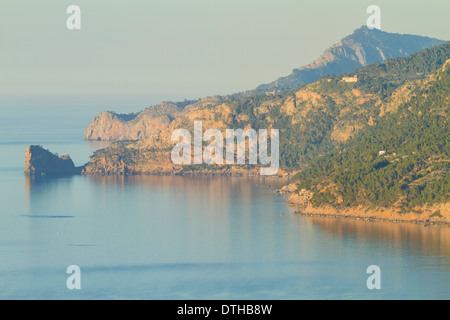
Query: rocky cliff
111, 126
361, 48
397, 169
152, 155
312, 120
41, 162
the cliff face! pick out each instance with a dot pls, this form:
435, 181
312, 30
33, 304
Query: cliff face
302, 112
438, 214
312, 120
41, 162
152, 155
397, 169
363, 47
111, 126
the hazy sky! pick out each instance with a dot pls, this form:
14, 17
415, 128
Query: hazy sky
182, 48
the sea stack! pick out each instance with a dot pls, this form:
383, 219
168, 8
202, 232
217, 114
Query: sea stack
41, 162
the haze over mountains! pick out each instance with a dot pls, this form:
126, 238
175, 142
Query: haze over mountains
378, 136
313, 120
363, 47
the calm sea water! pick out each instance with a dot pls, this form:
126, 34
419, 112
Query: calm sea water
186, 237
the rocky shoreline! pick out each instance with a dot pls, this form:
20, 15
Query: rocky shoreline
432, 215
425, 223
41, 162
438, 214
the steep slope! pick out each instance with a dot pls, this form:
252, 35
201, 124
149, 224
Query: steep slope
401, 163
312, 121
111, 126
361, 48
365, 46
41, 162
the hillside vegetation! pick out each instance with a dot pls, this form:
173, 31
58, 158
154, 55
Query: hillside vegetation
317, 118
402, 160
313, 120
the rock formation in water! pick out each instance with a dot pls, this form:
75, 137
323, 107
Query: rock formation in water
41, 162
316, 122
312, 120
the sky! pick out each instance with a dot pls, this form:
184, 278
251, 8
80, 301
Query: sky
180, 48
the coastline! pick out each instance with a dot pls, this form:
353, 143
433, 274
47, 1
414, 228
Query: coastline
41, 162
426, 217
436, 214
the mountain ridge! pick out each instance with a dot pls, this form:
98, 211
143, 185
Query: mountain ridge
399, 167
319, 123
364, 46
312, 120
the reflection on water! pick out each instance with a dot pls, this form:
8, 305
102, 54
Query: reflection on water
200, 195
207, 237
191, 181
173, 218
167, 237
218, 190
428, 241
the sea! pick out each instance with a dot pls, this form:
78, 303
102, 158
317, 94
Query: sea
185, 238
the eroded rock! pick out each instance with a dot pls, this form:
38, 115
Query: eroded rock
41, 162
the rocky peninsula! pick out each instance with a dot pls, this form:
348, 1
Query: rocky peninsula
374, 148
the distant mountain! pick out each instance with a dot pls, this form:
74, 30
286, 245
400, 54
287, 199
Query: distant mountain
362, 48
365, 46
377, 137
